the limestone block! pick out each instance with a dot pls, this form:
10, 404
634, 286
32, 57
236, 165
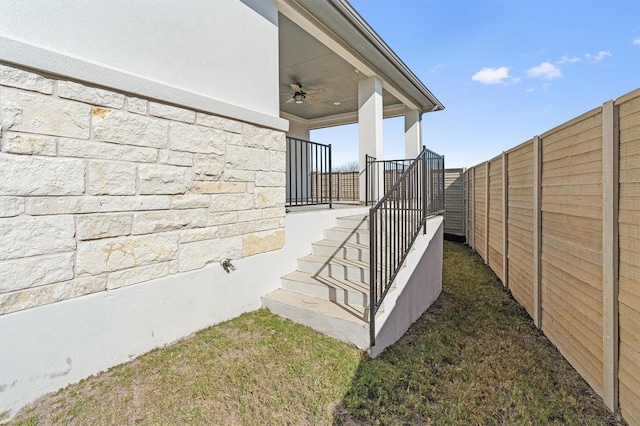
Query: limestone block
20, 79
171, 112
206, 187
274, 212
196, 139
137, 275
278, 161
94, 226
161, 179
197, 254
11, 206
208, 166
111, 178
107, 151
176, 158
24, 236
101, 204
169, 220
42, 114
243, 158
20, 175
231, 202
260, 137
262, 242
37, 296
221, 218
240, 228
18, 143
269, 197
128, 129
35, 271
137, 105
91, 95
263, 225
190, 201
199, 234
249, 215
114, 254
270, 179
219, 123
231, 175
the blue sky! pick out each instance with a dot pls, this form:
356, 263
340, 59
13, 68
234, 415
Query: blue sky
506, 70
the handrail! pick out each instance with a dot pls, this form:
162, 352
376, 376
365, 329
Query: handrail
395, 222
308, 173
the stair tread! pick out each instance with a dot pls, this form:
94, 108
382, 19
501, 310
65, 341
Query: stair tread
336, 261
345, 312
339, 283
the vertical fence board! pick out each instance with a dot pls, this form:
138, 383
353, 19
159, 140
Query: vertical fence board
629, 256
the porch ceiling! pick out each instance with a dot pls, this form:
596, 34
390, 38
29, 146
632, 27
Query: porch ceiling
325, 44
305, 60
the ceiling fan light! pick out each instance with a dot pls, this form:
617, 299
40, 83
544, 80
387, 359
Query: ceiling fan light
299, 98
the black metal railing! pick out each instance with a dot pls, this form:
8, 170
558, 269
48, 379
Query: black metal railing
396, 219
308, 173
380, 175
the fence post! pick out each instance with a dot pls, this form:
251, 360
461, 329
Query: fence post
610, 179
486, 212
537, 231
473, 211
505, 220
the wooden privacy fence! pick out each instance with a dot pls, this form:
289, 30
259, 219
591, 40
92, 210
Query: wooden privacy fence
454, 202
557, 218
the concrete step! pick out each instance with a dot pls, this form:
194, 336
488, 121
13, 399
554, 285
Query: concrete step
327, 288
358, 221
341, 321
341, 249
344, 269
348, 235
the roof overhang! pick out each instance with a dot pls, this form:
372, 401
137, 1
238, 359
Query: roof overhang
343, 49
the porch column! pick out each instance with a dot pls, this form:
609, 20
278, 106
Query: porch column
412, 133
369, 124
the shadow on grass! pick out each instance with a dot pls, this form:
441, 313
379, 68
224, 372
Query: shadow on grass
474, 358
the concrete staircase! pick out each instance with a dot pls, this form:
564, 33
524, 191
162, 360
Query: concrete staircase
329, 291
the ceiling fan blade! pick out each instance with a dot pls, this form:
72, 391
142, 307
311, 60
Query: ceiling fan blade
289, 100
316, 91
312, 99
296, 87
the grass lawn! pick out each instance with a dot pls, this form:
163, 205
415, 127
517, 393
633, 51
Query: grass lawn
473, 358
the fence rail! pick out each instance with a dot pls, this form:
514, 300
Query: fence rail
557, 218
396, 219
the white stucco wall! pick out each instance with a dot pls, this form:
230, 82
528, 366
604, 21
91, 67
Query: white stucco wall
219, 56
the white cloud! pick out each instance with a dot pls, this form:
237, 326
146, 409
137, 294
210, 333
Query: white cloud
599, 57
545, 70
492, 75
636, 41
434, 69
567, 60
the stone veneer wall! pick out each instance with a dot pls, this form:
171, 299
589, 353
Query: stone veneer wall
100, 190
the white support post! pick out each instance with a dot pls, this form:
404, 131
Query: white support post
610, 180
412, 133
369, 124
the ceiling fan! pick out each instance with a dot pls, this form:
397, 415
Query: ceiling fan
299, 96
